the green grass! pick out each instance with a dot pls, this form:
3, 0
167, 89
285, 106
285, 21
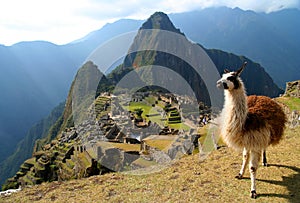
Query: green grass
161, 104
292, 102
144, 163
147, 109
157, 119
24, 167
30, 161
179, 126
151, 100
39, 168
29, 180
135, 105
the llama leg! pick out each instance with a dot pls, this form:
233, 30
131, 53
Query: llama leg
265, 158
254, 159
244, 164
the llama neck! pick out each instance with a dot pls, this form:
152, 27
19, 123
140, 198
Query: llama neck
235, 110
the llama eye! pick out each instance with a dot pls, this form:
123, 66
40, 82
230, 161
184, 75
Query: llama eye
231, 78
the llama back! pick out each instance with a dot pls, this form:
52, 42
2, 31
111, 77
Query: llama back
268, 112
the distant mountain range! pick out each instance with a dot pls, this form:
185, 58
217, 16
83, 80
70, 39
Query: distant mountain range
256, 79
34, 78
269, 39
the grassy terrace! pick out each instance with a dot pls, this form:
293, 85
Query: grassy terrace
29, 177
144, 163
154, 113
159, 143
30, 161
99, 106
147, 110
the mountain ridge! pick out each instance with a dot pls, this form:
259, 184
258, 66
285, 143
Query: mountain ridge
232, 29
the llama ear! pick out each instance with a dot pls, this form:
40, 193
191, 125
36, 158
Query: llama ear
226, 71
240, 70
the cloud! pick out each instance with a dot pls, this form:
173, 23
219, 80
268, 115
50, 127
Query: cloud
141, 9
63, 21
263, 5
51, 20
120, 9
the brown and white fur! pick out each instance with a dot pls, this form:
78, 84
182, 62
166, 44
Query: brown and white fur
249, 123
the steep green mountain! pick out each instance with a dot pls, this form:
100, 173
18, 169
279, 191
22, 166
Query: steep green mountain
81, 95
257, 81
25, 147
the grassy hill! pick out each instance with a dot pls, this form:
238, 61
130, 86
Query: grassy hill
190, 179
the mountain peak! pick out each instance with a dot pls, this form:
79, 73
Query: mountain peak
160, 20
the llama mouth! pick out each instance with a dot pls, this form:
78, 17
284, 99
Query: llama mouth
222, 85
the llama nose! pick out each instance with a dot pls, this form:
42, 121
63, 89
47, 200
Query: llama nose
220, 84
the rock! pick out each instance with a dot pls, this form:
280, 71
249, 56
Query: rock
173, 151
160, 157
115, 159
112, 159
183, 145
292, 89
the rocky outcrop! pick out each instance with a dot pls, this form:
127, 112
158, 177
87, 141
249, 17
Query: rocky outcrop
115, 159
183, 145
293, 89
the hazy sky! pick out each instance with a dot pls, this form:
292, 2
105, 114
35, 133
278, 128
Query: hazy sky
62, 21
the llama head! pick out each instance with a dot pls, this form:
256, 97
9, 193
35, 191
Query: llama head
231, 80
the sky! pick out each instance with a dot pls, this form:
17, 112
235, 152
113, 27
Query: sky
63, 21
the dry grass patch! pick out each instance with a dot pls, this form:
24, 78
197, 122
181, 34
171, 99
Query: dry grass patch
160, 144
126, 147
187, 180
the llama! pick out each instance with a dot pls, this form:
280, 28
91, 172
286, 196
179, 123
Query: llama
249, 123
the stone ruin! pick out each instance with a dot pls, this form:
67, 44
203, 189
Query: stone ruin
293, 89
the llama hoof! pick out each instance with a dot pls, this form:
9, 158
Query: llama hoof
240, 176
253, 194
